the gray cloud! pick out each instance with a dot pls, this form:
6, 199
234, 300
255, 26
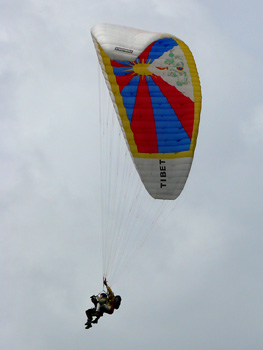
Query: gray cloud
197, 282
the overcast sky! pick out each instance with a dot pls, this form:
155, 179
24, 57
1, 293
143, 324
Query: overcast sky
197, 284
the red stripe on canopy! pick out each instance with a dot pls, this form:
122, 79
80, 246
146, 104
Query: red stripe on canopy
143, 124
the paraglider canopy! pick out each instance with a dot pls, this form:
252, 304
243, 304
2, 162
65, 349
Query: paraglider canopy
155, 89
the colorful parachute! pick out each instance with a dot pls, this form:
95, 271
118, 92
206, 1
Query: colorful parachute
155, 89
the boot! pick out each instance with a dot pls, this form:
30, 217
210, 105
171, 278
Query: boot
89, 325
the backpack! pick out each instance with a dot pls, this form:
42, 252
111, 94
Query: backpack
117, 302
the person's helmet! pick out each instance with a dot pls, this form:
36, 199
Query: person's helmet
117, 302
102, 298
